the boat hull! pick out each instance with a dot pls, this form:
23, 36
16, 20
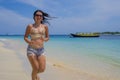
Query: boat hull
75, 35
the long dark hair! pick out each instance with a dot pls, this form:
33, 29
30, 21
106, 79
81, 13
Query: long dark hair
45, 16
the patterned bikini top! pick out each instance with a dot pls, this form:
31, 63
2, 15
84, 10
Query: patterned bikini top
36, 33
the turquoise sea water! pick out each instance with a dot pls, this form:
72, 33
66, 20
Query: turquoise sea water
105, 48
88, 54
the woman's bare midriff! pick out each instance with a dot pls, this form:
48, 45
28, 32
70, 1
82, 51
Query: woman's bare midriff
37, 43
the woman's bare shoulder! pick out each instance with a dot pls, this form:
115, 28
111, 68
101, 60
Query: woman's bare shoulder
44, 25
30, 25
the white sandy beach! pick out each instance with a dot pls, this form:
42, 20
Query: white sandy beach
15, 66
10, 65
12, 68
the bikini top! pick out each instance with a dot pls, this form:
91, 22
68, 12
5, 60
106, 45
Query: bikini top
36, 33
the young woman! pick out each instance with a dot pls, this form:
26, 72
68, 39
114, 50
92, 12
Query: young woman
38, 33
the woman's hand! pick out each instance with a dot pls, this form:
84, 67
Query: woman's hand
31, 42
36, 42
42, 39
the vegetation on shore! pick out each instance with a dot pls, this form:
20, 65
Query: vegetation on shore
112, 33
104, 33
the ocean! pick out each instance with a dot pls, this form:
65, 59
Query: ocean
95, 56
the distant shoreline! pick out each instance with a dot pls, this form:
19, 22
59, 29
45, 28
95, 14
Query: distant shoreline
101, 33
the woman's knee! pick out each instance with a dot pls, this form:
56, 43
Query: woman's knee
42, 69
36, 68
42, 63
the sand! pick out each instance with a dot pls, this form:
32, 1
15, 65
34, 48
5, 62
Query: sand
10, 65
14, 65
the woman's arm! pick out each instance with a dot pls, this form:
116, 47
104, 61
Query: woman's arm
46, 34
27, 34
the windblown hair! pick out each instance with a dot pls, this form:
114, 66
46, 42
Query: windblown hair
45, 16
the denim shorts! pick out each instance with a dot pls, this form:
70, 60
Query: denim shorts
37, 52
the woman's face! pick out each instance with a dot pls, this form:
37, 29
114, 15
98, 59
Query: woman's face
38, 17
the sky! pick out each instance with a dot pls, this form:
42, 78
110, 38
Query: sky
71, 15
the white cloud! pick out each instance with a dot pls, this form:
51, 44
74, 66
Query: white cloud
35, 3
82, 14
95, 13
108, 7
12, 21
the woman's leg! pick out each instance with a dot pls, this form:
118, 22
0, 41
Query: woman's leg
35, 66
42, 63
